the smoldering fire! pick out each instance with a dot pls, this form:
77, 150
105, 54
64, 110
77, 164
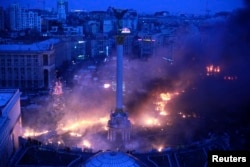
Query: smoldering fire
163, 100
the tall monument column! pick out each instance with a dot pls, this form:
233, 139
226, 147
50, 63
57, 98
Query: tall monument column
119, 124
119, 71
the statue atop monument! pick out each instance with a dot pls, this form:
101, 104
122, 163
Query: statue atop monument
119, 14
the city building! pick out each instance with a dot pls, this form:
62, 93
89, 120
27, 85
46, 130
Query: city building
92, 27
14, 16
108, 26
2, 19
31, 20
98, 46
79, 50
128, 45
62, 51
62, 10
9, 126
21, 19
146, 45
27, 66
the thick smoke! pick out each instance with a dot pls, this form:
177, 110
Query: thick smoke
222, 105
215, 105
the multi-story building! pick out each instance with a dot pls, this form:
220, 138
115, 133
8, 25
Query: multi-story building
128, 45
78, 51
62, 9
27, 66
21, 19
9, 124
146, 44
30, 20
14, 16
93, 27
98, 46
2, 19
108, 25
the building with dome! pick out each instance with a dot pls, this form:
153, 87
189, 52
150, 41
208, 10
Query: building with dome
35, 153
113, 159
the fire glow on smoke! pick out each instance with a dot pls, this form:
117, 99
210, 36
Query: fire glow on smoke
78, 127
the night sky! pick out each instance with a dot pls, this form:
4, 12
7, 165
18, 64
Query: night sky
148, 6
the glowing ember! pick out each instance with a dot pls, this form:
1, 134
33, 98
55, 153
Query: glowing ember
106, 86
165, 96
160, 149
58, 88
82, 124
77, 125
86, 143
152, 121
32, 133
103, 120
75, 134
164, 113
162, 102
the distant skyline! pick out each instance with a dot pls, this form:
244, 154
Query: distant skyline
147, 6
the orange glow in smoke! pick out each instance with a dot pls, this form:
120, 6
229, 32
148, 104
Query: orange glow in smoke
75, 134
159, 149
33, 133
77, 125
83, 124
165, 96
152, 121
162, 102
86, 143
163, 113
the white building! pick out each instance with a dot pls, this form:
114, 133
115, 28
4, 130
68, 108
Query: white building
21, 19
9, 126
62, 9
31, 20
27, 66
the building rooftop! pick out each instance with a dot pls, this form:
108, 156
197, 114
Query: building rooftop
113, 159
47, 157
37, 46
5, 96
35, 153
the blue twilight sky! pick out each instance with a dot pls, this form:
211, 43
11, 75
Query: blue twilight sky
148, 6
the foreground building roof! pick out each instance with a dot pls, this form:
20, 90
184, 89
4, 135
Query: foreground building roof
113, 159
